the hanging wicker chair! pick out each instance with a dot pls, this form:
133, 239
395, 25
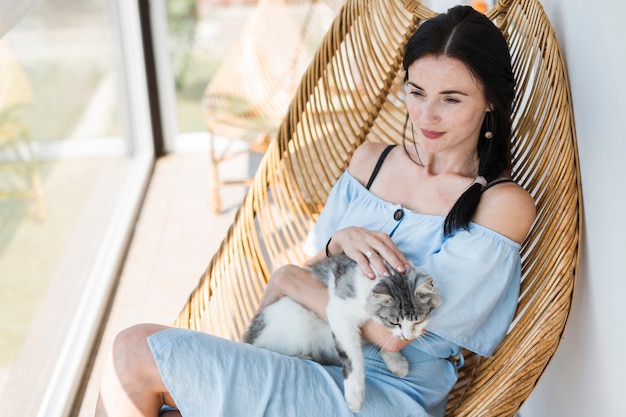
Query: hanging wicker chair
353, 93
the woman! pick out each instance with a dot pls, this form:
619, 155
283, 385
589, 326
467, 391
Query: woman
444, 201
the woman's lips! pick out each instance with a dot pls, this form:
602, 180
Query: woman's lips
431, 134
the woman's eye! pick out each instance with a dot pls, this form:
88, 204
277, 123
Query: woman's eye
452, 100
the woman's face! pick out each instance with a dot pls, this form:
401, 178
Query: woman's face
446, 105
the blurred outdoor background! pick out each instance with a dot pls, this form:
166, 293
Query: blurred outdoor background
100, 101
75, 157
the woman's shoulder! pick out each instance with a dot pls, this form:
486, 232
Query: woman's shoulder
508, 209
364, 160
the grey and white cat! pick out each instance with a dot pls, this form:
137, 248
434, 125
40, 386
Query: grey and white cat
402, 302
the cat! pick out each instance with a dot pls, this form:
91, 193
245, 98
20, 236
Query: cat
402, 302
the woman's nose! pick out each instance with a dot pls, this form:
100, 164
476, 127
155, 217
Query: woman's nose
429, 113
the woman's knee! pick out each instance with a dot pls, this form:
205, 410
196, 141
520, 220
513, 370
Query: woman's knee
131, 352
135, 338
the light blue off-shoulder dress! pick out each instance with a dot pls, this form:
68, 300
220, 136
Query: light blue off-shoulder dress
477, 271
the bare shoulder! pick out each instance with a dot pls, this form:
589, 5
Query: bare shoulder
508, 209
364, 160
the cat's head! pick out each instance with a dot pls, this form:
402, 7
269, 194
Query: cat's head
404, 302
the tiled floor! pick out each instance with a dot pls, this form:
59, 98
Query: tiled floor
176, 235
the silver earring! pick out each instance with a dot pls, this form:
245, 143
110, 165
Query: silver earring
488, 134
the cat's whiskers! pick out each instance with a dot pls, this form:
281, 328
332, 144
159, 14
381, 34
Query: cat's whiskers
388, 342
427, 343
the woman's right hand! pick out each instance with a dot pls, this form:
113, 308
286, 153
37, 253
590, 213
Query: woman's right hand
368, 249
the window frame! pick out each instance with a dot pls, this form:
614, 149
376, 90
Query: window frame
90, 315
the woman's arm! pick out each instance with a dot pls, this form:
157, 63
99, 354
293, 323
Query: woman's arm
300, 285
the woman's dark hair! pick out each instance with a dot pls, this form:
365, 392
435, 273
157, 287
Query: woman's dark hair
470, 37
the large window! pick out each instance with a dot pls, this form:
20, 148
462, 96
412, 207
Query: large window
75, 153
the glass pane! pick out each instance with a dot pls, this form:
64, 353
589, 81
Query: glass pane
66, 157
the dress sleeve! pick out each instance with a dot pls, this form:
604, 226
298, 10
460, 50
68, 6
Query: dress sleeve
330, 217
478, 275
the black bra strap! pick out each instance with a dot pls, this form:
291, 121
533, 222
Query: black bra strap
379, 164
491, 184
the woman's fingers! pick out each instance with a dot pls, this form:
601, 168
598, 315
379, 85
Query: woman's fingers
389, 252
370, 250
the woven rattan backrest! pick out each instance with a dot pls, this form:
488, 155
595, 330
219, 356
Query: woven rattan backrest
352, 93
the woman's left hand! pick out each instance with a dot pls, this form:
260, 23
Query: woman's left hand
368, 249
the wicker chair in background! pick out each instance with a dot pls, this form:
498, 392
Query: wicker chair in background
248, 97
353, 92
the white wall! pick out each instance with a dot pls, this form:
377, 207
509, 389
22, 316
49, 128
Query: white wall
586, 376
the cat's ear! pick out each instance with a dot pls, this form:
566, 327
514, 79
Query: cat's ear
428, 289
381, 294
427, 286
381, 299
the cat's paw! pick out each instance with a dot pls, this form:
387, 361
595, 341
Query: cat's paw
397, 363
355, 395
400, 367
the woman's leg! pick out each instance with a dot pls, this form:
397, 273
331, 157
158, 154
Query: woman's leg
131, 383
